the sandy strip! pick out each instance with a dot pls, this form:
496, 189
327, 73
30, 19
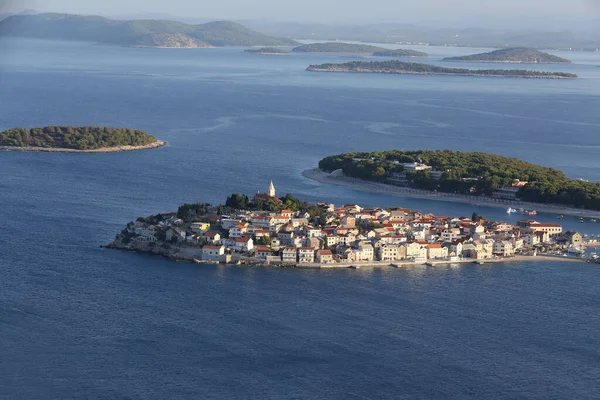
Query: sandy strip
158, 143
374, 187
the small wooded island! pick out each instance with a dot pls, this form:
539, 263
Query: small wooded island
475, 174
399, 67
268, 51
400, 53
513, 55
77, 139
337, 47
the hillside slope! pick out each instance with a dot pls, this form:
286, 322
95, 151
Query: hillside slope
156, 33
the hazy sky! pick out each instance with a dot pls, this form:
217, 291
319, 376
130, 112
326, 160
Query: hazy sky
317, 10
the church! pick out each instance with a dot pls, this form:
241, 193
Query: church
266, 196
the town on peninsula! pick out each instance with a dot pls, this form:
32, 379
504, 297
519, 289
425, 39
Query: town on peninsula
267, 230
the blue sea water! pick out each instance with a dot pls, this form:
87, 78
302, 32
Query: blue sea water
78, 321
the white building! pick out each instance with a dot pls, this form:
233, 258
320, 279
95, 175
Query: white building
212, 253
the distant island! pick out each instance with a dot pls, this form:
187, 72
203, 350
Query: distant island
269, 51
398, 67
337, 47
137, 33
400, 53
465, 173
514, 55
77, 139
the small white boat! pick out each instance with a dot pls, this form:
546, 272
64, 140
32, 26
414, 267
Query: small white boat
355, 266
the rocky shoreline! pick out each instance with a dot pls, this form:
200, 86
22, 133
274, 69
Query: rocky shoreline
507, 62
157, 144
374, 187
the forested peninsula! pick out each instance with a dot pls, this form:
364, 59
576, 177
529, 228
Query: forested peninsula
399, 67
77, 139
471, 173
513, 55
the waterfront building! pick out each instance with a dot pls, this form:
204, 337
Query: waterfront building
306, 255
324, 256
212, 253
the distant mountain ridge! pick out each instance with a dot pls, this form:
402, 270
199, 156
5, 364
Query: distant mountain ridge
516, 55
153, 33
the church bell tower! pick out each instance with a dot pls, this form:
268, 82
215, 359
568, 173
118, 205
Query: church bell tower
271, 190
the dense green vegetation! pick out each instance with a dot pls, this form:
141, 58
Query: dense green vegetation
78, 138
238, 201
134, 33
399, 67
189, 212
513, 55
337, 47
469, 173
267, 50
400, 53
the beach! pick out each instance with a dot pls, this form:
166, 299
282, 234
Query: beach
374, 187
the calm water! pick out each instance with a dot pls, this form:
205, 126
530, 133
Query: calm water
77, 321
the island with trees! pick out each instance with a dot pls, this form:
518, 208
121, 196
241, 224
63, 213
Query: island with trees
268, 51
512, 55
337, 47
467, 173
399, 67
77, 139
400, 53
135, 33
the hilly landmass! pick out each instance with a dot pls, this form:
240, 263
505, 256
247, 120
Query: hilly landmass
400, 53
337, 47
152, 33
399, 67
515, 55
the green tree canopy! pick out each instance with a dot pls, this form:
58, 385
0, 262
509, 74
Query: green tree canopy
77, 138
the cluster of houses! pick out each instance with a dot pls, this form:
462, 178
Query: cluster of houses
351, 233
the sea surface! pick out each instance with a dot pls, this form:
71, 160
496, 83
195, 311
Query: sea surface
79, 321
